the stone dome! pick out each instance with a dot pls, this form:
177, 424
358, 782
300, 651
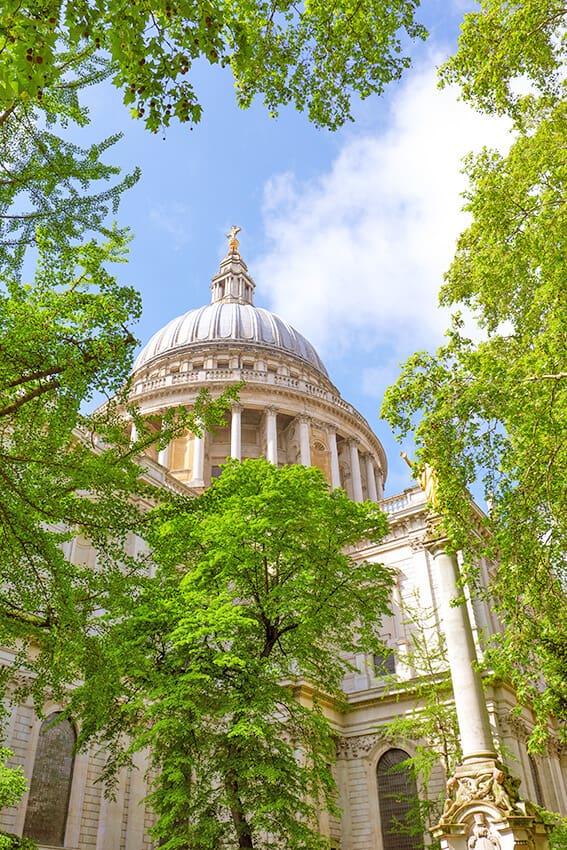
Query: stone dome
225, 320
230, 317
288, 409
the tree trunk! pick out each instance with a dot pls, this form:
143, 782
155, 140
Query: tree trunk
241, 825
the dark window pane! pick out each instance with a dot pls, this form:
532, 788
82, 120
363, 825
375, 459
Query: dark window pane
397, 793
385, 665
48, 802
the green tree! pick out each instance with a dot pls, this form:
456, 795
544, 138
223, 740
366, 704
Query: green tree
224, 663
65, 334
313, 56
493, 409
63, 338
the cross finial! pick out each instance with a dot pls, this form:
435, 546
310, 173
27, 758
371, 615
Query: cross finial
233, 242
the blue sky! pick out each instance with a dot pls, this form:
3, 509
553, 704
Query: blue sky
346, 234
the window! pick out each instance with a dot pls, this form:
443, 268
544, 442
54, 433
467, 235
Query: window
397, 792
384, 664
536, 782
50, 788
216, 472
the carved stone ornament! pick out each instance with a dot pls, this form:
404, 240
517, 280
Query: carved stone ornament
356, 747
489, 783
482, 836
416, 544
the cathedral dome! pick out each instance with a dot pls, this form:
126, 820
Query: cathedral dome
231, 317
229, 320
288, 409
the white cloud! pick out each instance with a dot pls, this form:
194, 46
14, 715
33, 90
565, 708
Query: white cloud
357, 256
172, 219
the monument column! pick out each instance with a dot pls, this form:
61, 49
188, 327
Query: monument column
472, 714
272, 435
335, 471
304, 445
355, 472
483, 808
236, 432
371, 479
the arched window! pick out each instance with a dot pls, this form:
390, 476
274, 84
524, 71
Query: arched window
397, 792
535, 779
50, 788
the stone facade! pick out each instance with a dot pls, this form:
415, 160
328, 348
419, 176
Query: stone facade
289, 412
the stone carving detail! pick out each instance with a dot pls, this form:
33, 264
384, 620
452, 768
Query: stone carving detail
482, 836
356, 747
510, 724
555, 747
416, 544
491, 784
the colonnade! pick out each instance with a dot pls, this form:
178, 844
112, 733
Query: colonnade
351, 455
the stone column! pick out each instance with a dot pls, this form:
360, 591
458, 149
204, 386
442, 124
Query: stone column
236, 432
483, 808
198, 461
133, 434
472, 714
335, 471
304, 444
272, 435
163, 455
355, 472
380, 483
371, 479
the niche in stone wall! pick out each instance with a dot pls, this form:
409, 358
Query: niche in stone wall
320, 455
50, 787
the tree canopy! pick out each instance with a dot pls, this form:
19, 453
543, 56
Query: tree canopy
493, 408
223, 664
313, 56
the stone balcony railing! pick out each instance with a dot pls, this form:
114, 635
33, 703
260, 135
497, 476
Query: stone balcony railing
249, 376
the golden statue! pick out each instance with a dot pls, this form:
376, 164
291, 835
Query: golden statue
427, 479
233, 242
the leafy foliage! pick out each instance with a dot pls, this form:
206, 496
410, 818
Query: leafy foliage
312, 56
12, 786
224, 665
505, 48
62, 338
9, 841
493, 409
12, 780
49, 184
